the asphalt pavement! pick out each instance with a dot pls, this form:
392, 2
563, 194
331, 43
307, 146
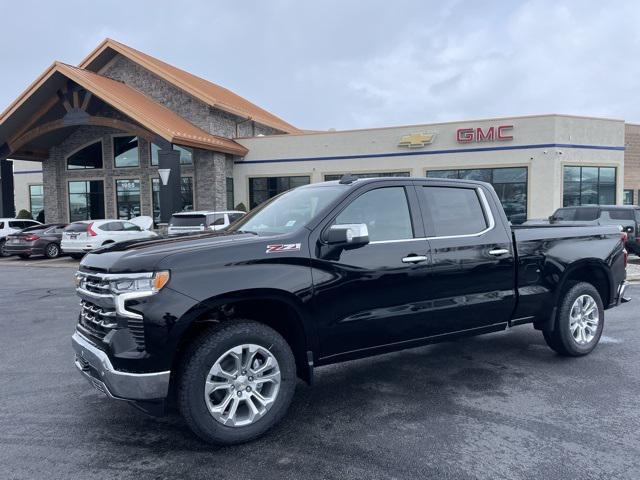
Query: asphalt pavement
498, 406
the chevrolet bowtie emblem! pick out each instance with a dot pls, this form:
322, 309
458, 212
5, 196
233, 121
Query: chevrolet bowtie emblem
416, 140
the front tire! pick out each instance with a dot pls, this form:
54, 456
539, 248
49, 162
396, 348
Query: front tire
579, 321
24, 256
236, 382
52, 251
76, 256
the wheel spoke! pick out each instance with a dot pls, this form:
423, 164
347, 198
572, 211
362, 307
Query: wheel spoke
212, 386
217, 371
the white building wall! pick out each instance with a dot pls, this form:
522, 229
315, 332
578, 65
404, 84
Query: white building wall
544, 144
25, 174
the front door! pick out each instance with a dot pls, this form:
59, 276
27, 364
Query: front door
370, 296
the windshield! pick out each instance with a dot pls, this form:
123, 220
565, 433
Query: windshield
289, 211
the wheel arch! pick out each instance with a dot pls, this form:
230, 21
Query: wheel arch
593, 271
282, 311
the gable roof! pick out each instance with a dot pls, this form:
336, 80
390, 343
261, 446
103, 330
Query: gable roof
151, 115
208, 92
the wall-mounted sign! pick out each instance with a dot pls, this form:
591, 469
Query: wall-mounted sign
500, 133
416, 140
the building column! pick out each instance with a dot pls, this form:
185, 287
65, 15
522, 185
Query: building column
211, 180
7, 203
170, 194
52, 190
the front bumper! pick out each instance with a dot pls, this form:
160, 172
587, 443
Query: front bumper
95, 365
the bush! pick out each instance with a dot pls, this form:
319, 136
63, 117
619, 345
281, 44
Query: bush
24, 215
240, 207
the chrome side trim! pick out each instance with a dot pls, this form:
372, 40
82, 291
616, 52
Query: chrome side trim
120, 385
378, 242
489, 216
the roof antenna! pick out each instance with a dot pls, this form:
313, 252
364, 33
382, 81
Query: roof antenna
347, 179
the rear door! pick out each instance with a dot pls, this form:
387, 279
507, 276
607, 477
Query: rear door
472, 275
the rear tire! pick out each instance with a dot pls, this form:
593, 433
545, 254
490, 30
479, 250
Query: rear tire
2, 252
52, 250
579, 321
235, 411
24, 256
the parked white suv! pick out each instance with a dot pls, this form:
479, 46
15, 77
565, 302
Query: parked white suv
81, 237
190, 222
13, 225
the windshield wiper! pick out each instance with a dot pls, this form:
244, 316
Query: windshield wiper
251, 232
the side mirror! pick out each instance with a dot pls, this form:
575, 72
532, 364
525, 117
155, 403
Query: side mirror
348, 235
551, 219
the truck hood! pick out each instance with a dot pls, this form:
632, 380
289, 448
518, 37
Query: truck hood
144, 255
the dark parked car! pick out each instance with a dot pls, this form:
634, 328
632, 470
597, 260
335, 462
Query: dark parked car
223, 323
625, 216
38, 240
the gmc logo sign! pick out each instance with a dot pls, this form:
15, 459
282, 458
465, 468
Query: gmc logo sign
489, 134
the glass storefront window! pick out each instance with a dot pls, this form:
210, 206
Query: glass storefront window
86, 200
128, 198
262, 189
126, 152
36, 200
589, 186
627, 198
186, 155
230, 196
186, 188
509, 183
330, 177
87, 157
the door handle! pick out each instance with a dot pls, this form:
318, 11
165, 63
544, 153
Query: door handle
498, 251
414, 259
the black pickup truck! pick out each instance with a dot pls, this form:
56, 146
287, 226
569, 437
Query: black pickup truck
222, 324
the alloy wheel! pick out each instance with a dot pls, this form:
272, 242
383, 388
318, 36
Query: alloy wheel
584, 319
52, 250
242, 385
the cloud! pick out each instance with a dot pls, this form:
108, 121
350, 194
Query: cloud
361, 63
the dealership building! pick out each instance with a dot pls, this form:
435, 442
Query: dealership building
90, 142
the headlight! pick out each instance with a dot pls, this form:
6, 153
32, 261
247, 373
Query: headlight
154, 282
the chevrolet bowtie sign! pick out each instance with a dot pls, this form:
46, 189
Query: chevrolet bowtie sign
416, 140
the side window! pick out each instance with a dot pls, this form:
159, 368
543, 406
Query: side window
455, 211
385, 211
1, 225
586, 214
620, 214
218, 219
568, 214
112, 227
18, 225
130, 227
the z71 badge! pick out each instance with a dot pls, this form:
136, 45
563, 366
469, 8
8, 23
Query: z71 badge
286, 247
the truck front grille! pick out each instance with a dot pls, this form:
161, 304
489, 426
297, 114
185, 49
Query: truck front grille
96, 320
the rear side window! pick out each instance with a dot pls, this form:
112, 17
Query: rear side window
18, 225
586, 214
130, 227
1, 225
620, 214
187, 220
455, 211
385, 211
235, 216
112, 227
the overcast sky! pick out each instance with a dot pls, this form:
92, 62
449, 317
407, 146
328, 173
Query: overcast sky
354, 64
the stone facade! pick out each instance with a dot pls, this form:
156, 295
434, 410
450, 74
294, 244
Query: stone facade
632, 160
209, 171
